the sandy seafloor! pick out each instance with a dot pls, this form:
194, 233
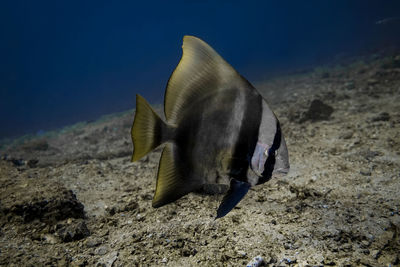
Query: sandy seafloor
75, 198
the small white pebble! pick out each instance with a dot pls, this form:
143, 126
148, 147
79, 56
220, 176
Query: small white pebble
255, 262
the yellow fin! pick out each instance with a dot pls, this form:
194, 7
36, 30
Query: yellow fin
172, 183
200, 72
146, 129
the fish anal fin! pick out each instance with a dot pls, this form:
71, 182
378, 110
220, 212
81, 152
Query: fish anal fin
236, 192
172, 183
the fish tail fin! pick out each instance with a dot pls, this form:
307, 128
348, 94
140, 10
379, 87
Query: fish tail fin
148, 129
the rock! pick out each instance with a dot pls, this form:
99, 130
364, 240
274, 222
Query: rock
36, 145
93, 242
318, 111
256, 262
289, 261
109, 260
235, 219
50, 210
101, 250
365, 244
369, 154
329, 262
372, 82
17, 162
77, 263
187, 251
132, 205
375, 253
111, 210
319, 258
294, 114
242, 254
50, 239
365, 172
383, 116
72, 232
349, 85
346, 135
178, 243
32, 163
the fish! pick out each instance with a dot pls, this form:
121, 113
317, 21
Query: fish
218, 130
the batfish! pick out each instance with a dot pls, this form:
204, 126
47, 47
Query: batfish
218, 130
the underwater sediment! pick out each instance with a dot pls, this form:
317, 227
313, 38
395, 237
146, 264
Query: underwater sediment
74, 198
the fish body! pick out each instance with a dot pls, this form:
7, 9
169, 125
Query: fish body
219, 130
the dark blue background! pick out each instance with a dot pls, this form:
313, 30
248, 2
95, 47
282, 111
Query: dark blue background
67, 61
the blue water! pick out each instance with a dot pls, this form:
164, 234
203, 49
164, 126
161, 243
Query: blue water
67, 61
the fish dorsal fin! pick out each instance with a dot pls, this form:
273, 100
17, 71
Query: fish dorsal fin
200, 72
172, 183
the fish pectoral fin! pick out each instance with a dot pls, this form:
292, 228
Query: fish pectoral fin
236, 192
172, 183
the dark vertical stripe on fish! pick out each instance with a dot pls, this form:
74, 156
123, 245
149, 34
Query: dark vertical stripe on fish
270, 162
248, 136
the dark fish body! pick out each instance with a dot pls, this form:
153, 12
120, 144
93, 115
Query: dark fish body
219, 130
210, 138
